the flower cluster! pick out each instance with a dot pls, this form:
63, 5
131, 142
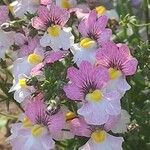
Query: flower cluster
63, 31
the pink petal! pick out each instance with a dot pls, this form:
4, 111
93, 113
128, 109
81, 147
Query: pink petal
45, 2
3, 14
130, 67
73, 92
38, 23
56, 124
80, 128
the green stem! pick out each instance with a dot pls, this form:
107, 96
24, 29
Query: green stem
8, 116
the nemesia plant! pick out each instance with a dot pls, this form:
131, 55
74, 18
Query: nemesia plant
68, 74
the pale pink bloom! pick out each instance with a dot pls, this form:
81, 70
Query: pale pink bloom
26, 44
87, 85
3, 14
21, 91
25, 64
52, 19
94, 27
94, 33
117, 58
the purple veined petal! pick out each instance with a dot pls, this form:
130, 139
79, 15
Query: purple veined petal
38, 23
102, 22
83, 27
43, 14
91, 19
104, 36
74, 75
130, 67
100, 76
58, 15
56, 123
73, 92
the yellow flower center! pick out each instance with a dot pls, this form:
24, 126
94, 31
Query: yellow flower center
22, 82
11, 6
95, 96
34, 59
26, 122
87, 43
70, 115
101, 10
54, 30
65, 4
99, 136
114, 73
37, 130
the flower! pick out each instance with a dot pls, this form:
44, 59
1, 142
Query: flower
26, 44
3, 14
118, 60
94, 33
102, 140
37, 112
22, 90
87, 85
111, 14
94, 27
38, 129
25, 64
52, 19
20, 7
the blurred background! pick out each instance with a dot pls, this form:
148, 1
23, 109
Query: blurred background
131, 27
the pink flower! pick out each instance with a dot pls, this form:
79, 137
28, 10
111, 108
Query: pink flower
119, 61
94, 27
117, 56
26, 44
87, 85
36, 111
49, 15
3, 14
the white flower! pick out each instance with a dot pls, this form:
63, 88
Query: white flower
6, 40
111, 14
24, 65
85, 50
100, 140
22, 91
58, 38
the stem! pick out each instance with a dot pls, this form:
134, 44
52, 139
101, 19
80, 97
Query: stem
8, 116
146, 4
